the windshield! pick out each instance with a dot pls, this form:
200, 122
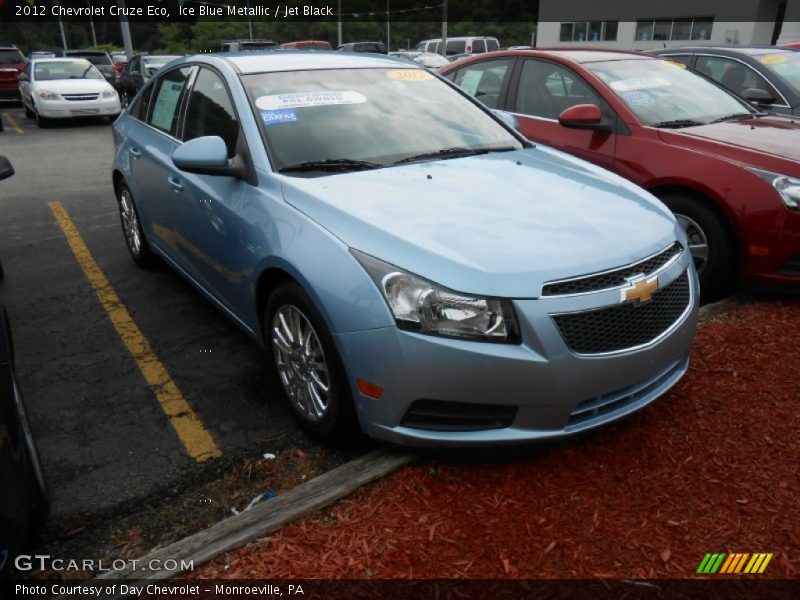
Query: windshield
661, 92
785, 66
75, 69
96, 59
11, 56
376, 115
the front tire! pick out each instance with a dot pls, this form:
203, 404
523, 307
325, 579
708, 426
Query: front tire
711, 243
135, 240
41, 122
28, 112
308, 366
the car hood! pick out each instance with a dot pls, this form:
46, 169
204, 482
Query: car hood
73, 86
773, 135
499, 224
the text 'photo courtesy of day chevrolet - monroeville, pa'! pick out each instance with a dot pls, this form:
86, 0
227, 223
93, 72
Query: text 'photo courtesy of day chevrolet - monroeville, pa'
399, 299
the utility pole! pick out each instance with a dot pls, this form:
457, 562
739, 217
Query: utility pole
126, 31
63, 35
339, 23
444, 27
388, 29
249, 22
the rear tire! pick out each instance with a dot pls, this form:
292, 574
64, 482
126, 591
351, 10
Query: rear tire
308, 366
711, 242
135, 240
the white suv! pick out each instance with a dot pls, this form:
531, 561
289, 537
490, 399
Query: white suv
460, 45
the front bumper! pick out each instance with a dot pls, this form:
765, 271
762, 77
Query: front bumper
555, 392
773, 249
70, 109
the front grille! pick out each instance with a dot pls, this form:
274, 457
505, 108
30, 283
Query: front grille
625, 325
605, 406
437, 415
613, 278
75, 97
791, 266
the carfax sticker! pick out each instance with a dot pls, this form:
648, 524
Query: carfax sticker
639, 83
276, 117
638, 98
308, 99
409, 75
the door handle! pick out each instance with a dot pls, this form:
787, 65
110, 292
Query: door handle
176, 184
134, 152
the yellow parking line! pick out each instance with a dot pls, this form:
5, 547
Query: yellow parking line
198, 441
13, 122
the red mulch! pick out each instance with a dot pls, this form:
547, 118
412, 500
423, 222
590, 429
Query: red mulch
712, 466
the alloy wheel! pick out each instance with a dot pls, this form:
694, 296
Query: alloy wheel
300, 360
130, 222
698, 241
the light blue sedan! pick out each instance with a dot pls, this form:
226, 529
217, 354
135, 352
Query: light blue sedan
410, 263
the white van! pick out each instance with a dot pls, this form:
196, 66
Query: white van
460, 45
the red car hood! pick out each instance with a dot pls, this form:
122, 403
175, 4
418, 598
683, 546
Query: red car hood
777, 136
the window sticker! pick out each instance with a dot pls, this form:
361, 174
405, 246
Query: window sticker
276, 117
409, 75
471, 81
308, 99
638, 98
639, 83
674, 63
166, 103
772, 59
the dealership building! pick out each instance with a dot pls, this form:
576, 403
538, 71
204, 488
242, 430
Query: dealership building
626, 25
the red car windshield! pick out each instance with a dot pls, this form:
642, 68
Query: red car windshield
661, 92
785, 66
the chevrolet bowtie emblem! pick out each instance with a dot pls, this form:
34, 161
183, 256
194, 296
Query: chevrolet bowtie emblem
640, 289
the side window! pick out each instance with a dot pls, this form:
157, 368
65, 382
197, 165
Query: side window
142, 104
210, 111
167, 94
547, 89
478, 46
732, 74
484, 80
456, 47
420, 47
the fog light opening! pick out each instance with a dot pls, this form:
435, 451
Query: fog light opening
370, 390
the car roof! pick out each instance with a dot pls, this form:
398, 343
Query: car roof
57, 59
748, 50
92, 52
289, 60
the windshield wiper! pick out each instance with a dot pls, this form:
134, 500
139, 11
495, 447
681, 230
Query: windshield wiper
732, 116
456, 152
677, 123
331, 164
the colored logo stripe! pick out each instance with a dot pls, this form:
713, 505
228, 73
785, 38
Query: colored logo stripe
742, 562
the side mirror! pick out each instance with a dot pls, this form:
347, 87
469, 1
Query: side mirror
22, 77
758, 96
507, 118
204, 155
584, 116
6, 170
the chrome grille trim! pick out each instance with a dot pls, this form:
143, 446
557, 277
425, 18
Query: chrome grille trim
662, 260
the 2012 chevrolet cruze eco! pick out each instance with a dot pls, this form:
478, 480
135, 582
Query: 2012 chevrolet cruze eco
407, 259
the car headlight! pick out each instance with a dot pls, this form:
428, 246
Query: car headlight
420, 305
47, 95
109, 93
788, 187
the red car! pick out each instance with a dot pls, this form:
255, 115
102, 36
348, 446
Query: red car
729, 173
12, 63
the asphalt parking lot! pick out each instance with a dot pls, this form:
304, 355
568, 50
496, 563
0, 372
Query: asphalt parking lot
107, 437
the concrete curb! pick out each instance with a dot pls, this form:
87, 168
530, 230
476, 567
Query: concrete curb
265, 517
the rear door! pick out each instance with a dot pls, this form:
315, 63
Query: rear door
540, 91
150, 145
